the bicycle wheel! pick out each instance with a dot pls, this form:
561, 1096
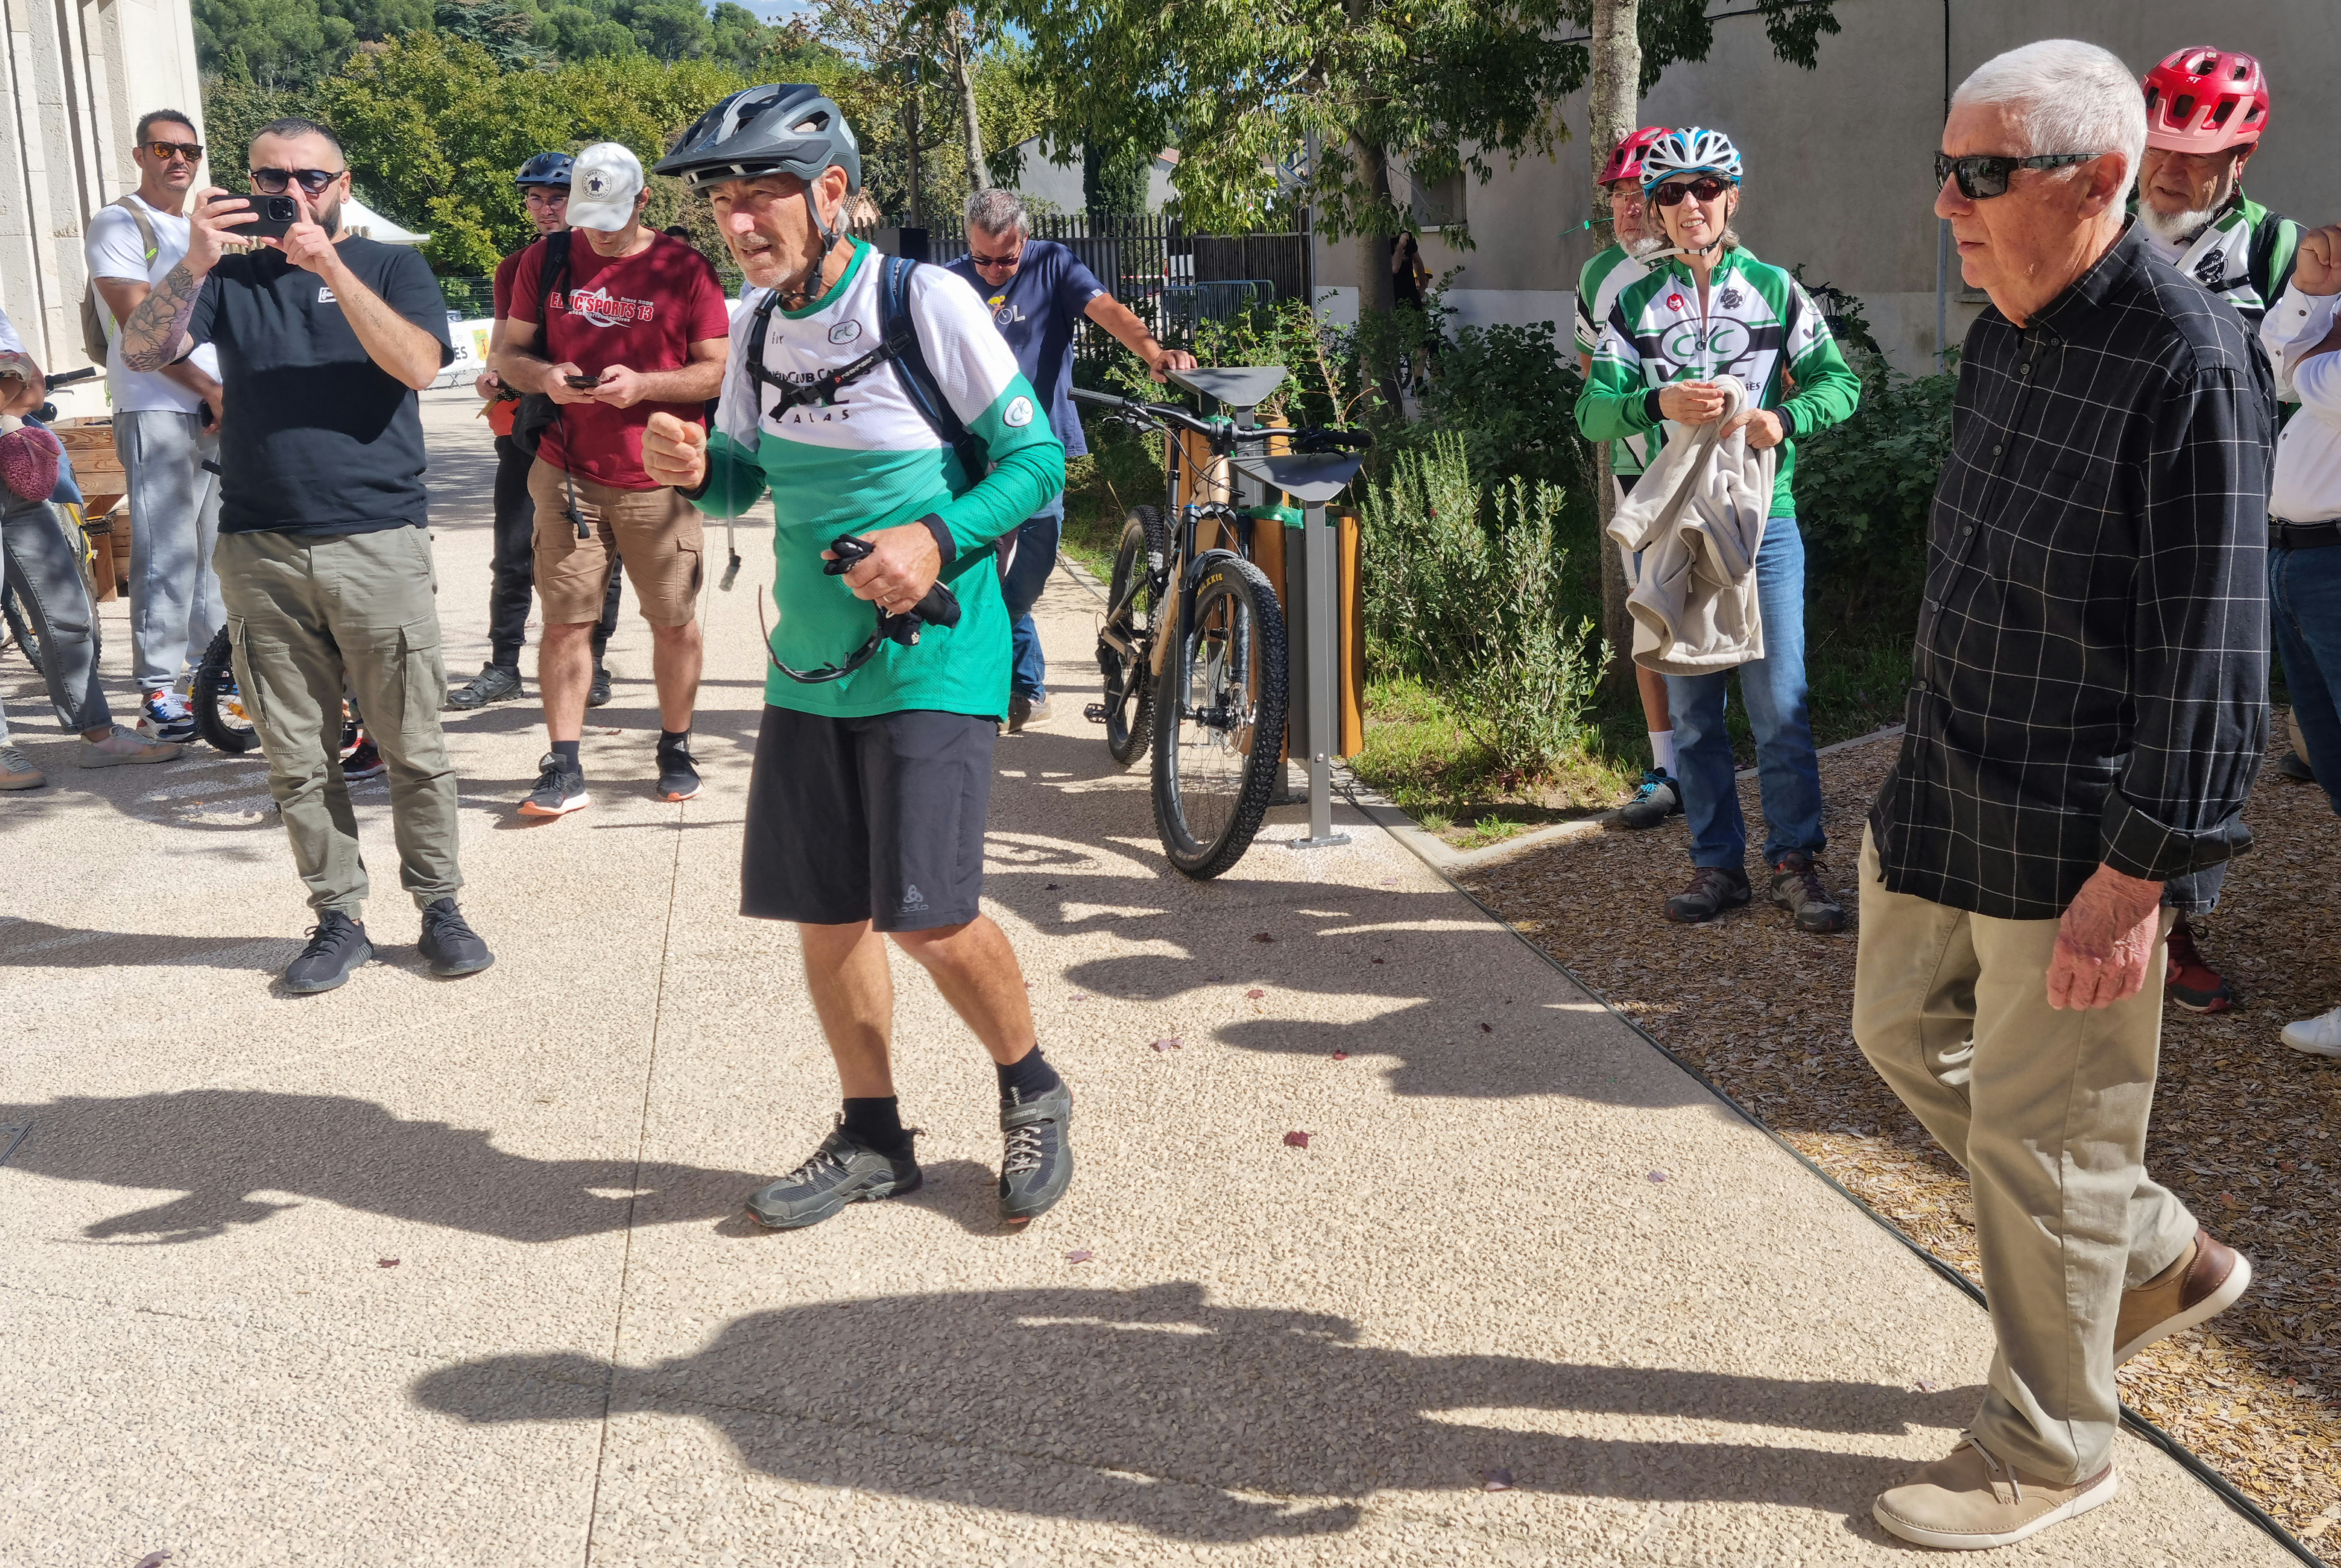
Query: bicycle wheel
218, 707
20, 628
1218, 719
1129, 683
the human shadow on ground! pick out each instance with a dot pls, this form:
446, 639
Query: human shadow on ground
217, 1147
1156, 1408
1457, 1003
37, 945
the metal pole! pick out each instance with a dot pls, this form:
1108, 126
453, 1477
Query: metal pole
1324, 681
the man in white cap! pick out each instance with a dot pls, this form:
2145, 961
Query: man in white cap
627, 324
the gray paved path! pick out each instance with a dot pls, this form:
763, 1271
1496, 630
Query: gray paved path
583, 1356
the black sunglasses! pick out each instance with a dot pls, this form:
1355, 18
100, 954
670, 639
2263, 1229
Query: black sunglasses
272, 182
1707, 187
191, 150
1987, 175
997, 261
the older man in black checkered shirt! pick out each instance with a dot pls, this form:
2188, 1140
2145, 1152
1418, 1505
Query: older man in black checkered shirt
2086, 717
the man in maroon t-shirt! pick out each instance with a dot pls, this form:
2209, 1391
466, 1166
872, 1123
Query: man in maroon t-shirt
635, 325
544, 182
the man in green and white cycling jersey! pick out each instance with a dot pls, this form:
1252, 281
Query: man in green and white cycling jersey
1711, 309
2205, 111
866, 806
1603, 278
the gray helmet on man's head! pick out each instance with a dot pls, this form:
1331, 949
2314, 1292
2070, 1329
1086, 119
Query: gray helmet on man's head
774, 128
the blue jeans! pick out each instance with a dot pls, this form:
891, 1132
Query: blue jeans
1036, 556
2305, 593
1773, 687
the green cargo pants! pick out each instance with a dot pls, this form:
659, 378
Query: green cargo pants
305, 615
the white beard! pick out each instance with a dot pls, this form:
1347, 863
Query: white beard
2180, 228
1642, 247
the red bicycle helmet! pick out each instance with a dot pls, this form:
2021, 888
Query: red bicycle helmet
2202, 99
1626, 160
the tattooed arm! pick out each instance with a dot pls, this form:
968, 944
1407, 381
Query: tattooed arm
156, 333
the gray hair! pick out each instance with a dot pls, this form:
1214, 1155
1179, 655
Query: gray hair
999, 212
2067, 96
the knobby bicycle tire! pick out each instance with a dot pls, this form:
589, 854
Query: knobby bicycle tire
1130, 605
216, 702
1235, 640
20, 630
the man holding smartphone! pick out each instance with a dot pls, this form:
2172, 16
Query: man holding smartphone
627, 324
165, 428
324, 338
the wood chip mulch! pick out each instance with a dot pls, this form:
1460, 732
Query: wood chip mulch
2243, 1127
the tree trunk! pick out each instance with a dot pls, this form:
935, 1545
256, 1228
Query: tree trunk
979, 179
1376, 294
1611, 102
911, 129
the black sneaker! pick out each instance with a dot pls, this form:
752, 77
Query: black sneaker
364, 763
841, 1172
1659, 798
598, 694
560, 787
1796, 887
678, 778
2292, 766
1024, 710
337, 944
1713, 889
1037, 1163
449, 943
493, 683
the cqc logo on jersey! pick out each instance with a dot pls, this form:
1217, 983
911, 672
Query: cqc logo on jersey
1018, 413
844, 332
1720, 343
603, 308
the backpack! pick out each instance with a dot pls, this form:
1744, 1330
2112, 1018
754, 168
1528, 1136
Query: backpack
898, 344
93, 338
537, 411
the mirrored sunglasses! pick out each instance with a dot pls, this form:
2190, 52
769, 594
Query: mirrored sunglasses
1987, 175
1705, 188
272, 182
191, 150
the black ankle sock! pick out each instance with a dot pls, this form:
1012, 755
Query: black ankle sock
567, 752
674, 740
877, 1124
1028, 1076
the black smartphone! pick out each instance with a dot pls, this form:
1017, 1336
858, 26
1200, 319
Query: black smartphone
277, 215
583, 383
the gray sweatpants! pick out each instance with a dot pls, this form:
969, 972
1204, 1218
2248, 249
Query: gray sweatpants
44, 568
175, 595
306, 616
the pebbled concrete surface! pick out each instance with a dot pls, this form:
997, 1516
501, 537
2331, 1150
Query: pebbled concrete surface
583, 1353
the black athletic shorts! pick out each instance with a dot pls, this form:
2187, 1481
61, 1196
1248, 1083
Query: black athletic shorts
878, 819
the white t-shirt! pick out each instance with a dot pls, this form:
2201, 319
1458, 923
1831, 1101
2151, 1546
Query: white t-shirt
115, 249
9, 341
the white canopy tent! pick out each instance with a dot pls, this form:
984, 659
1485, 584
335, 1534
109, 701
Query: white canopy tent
366, 223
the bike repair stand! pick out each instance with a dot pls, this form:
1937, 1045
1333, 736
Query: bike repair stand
1312, 480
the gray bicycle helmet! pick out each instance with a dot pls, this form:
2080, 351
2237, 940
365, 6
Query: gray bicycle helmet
774, 128
545, 169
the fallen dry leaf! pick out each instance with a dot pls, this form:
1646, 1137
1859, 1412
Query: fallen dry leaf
1171, 1045
1296, 1140
1340, 1055
153, 1560
1255, 993
1657, 1175
1495, 1478
1079, 1255
1049, 886
1262, 936
1487, 1029
1381, 961
385, 1263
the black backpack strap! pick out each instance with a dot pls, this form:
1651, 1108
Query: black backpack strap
898, 333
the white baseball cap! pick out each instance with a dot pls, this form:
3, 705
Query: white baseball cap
603, 185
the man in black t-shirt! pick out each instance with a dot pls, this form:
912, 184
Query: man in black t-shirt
323, 563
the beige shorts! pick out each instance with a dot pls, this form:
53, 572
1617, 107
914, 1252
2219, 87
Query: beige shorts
655, 533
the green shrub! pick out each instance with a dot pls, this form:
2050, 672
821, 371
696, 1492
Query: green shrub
1864, 488
1465, 593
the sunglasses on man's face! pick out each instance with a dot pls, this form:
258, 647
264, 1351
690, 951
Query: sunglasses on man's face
166, 151
1987, 175
1009, 260
1706, 189
272, 182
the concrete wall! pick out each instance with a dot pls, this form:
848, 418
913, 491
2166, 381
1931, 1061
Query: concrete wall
75, 76
1838, 159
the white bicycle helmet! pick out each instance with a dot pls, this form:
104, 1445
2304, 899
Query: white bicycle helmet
1693, 150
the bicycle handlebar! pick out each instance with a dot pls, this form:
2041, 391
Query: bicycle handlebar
1312, 438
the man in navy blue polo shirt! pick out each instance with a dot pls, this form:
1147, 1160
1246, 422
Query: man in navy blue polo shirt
1039, 291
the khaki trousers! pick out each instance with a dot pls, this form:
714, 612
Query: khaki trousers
306, 616
2046, 1109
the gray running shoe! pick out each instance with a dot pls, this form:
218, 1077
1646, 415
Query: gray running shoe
1037, 1164
841, 1172
1796, 887
17, 771
1659, 798
1713, 889
493, 683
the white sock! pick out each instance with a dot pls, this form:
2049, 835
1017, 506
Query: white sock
1662, 751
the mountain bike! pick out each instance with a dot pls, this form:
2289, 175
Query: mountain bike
1192, 649
217, 704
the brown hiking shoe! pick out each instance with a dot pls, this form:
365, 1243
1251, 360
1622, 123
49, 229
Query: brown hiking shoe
1971, 1501
2205, 1282
1713, 889
1796, 887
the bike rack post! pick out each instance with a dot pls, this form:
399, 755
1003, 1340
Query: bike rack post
1324, 677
